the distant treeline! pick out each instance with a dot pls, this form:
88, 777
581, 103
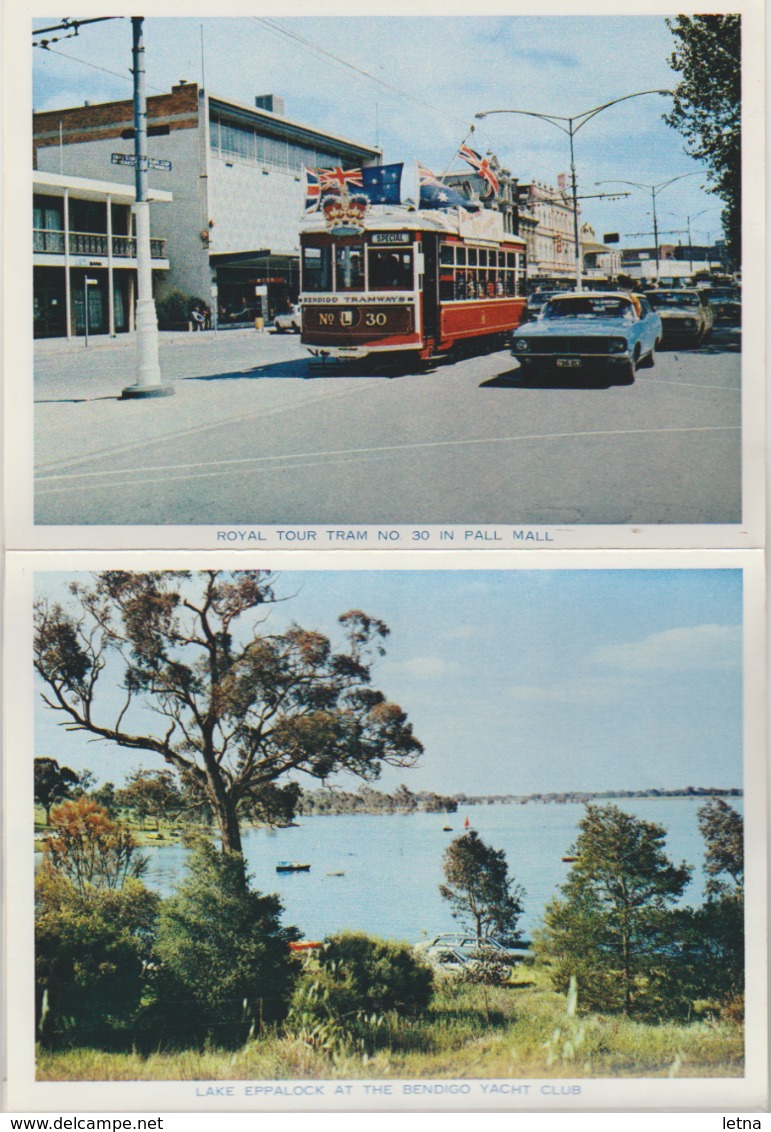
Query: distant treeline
369, 801
582, 796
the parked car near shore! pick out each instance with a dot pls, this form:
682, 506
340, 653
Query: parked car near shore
590, 331
686, 316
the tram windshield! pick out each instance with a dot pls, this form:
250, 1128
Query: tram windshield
350, 267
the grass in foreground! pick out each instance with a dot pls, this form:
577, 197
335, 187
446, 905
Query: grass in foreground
512, 1032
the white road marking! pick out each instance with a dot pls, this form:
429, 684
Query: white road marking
321, 455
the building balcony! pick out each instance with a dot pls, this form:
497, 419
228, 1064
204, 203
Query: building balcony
52, 242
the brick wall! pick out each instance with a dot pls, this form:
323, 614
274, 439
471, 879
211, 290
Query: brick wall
178, 110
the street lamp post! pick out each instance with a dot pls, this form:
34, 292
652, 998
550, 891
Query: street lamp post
654, 190
571, 128
148, 380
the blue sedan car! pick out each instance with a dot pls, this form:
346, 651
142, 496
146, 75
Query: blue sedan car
590, 331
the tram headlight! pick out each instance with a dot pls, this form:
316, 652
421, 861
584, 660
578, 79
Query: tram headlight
617, 345
689, 323
521, 345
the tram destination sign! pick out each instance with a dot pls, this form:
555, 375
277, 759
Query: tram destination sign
131, 159
391, 237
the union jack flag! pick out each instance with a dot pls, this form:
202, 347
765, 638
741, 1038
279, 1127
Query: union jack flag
339, 178
482, 166
312, 190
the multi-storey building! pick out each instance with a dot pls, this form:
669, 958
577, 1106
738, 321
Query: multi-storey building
236, 178
84, 255
551, 251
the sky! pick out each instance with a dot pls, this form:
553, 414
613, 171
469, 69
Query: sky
413, 85
519, 681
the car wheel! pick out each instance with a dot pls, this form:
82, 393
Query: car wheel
648, 361
626, 374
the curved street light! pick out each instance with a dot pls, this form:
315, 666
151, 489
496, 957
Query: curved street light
654, 190
571, 127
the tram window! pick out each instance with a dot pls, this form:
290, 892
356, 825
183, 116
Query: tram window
511, 259
460, 256
461, 285
390, 270
472, 257
317, 269
482, 257
349, 267
446, 254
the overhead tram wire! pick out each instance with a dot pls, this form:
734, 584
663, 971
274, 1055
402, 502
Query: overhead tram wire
95, 66
352, 67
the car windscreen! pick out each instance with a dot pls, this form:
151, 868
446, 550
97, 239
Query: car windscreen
589, 308
673, 299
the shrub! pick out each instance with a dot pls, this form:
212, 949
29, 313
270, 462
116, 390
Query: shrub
224, 961
361, 973
175, 306
91, 950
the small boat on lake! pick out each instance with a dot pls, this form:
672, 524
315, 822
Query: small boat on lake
335, 874
446, 829
292, 867
569, 860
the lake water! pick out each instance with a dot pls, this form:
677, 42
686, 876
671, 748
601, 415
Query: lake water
392, 863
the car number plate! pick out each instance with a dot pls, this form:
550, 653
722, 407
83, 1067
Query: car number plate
572, 362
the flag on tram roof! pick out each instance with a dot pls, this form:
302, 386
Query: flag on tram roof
312, 190
435, 194
380, 183
337, 179
383, 183
482, 166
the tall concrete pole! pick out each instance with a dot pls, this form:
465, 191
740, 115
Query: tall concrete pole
149, 382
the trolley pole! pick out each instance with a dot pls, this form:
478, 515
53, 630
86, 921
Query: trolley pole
149, 382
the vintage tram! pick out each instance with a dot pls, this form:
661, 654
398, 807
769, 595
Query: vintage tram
397, 280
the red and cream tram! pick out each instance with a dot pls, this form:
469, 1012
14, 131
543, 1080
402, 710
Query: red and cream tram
403, 280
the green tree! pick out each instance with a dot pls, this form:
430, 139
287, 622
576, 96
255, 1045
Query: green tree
723, 831
612, 928
152, 793
479, 889
91, 849
712, 954
53, 783
92, 946
225, 962
243, 710
707, 106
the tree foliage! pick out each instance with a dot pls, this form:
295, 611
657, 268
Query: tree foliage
479, 889
707, 106
91, 849
612, 928
722, 828
151, 793
92, 946
225, 962
53, 783
241, 708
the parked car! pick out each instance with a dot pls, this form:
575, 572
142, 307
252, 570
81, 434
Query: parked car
535, 304
726, 303
290, 320
590, 331
685, 315
470, 947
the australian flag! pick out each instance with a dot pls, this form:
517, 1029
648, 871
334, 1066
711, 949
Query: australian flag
382, 183
435, 194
